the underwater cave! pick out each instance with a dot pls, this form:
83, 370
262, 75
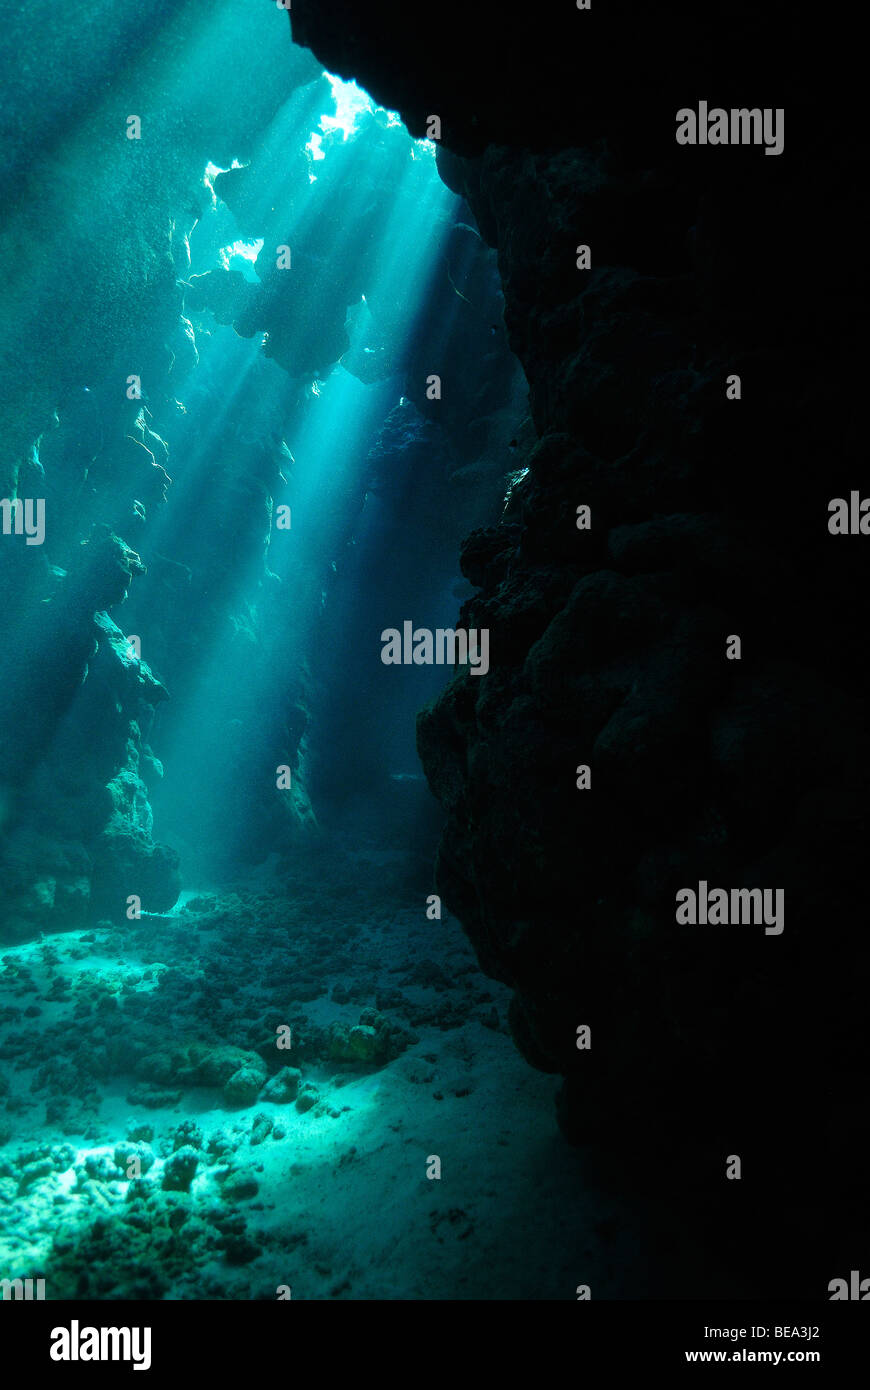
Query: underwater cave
378, 520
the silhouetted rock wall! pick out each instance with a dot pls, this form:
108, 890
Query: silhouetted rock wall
610, 645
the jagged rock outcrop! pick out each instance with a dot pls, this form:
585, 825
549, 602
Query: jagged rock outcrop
77, 819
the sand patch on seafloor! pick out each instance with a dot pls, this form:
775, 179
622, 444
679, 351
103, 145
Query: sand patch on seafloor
332, 1201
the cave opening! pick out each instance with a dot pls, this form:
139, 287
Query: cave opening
418, 578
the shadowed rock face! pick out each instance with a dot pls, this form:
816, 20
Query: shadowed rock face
608, 645
534, 76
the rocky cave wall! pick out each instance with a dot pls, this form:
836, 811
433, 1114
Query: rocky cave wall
94, 249
608, 645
